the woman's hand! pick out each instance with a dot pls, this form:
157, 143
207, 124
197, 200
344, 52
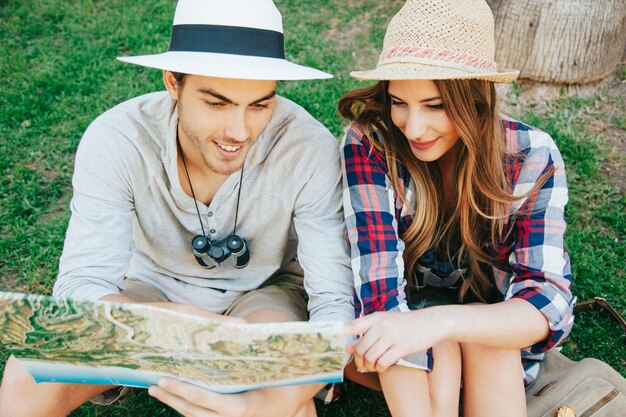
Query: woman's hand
389, 336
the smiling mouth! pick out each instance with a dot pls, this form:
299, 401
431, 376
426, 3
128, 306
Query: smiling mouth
228, 148
423, 145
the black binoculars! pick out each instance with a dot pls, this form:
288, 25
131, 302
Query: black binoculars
210, 255
433, 272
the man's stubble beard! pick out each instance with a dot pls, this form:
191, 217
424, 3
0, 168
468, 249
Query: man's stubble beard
203, 147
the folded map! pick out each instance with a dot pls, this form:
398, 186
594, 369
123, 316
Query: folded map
64, 340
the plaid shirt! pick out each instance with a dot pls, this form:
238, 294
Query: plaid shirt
532, 264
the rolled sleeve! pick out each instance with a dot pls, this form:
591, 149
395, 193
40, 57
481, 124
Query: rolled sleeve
557, 310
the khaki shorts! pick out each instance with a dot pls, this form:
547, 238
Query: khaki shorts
273, 297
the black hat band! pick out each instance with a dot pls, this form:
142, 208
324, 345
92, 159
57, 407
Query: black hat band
227, 40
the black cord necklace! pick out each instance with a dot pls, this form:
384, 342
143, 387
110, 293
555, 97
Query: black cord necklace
193, 195
211, 254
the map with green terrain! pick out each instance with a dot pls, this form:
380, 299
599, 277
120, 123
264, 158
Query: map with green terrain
67, 340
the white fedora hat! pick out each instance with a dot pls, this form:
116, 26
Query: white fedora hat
438, 40
228, 39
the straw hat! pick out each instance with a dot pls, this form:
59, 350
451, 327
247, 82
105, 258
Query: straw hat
228, 39
437, 40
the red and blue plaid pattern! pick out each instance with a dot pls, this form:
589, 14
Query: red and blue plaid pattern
532, 264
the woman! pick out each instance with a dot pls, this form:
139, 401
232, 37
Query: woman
455, 217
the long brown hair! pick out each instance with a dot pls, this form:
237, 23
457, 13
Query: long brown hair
479, 211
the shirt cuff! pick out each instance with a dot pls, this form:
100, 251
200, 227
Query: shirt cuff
329, 393
419, 360
556, 308
85, 292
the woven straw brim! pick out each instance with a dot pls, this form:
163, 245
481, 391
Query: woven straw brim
419, 71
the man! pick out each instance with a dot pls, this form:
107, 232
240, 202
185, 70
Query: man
200, 199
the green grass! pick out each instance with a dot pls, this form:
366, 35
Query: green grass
58, 72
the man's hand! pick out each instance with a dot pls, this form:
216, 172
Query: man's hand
193, 401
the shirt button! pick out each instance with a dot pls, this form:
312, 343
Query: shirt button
212, 231
210, 213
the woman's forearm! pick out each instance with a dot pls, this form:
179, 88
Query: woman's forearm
514, 323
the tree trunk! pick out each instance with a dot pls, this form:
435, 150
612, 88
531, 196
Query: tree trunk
560, 41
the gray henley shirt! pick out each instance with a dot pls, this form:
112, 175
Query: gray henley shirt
131, 217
